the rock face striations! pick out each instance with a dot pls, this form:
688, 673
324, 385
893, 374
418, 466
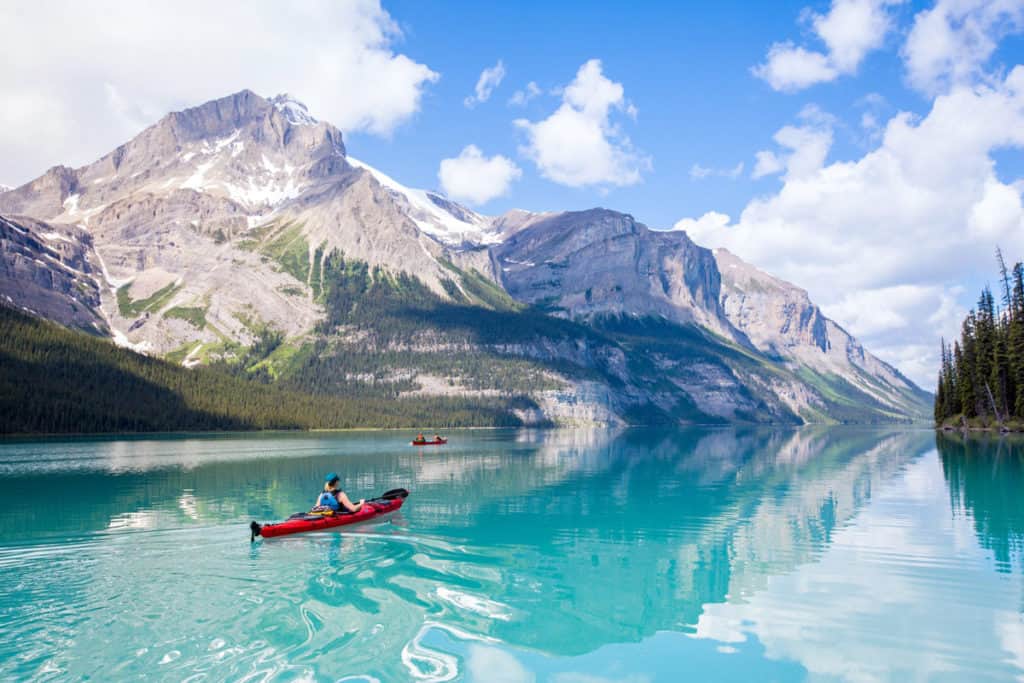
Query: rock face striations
50, 271
602, 262
780, 320
243, 216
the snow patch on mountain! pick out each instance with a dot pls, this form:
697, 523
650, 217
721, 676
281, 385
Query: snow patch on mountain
197, 180
294, 111
55, 236
270, 184
71, 204
257, 194
436, 216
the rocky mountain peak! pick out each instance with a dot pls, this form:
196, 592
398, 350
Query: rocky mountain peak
280, 123
777, 316
216, 118
601, 262
250, 151
222, 218
296, 112
780, 320
46, 195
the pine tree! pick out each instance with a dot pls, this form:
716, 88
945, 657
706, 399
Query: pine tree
1016, 339
1004, 278
999, 373
983, 372
963, 356
983, 352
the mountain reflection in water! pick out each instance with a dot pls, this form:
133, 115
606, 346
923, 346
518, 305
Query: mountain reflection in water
725, 554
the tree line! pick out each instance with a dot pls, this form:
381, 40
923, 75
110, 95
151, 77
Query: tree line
981, 379
56, 380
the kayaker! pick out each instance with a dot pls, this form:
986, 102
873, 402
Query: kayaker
334, 498
420, 437
437, 437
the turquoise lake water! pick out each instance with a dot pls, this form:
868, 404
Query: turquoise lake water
567, 556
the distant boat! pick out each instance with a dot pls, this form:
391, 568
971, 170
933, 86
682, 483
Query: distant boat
434, 442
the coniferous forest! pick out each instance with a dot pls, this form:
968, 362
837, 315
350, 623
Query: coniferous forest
981, 380
56, 380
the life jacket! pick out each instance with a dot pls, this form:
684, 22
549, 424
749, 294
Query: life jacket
328, 499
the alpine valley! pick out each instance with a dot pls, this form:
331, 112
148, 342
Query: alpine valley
240, 244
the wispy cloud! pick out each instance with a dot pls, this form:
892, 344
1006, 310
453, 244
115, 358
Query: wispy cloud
698, 172
490, 79
521, 97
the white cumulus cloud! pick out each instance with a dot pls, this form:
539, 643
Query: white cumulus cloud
885, 241
805, 146
850, 30
950, 43
490, 78
790, 68
578, 145
766, 162
106, 69
710, 222
473, 178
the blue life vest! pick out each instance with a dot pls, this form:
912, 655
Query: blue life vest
328, 499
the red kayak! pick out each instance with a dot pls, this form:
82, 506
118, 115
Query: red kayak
435, 442
313, 521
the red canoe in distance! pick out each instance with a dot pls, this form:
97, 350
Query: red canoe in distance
435, 442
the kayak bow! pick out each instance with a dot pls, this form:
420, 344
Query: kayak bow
313, 521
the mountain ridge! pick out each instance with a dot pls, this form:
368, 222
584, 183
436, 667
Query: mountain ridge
226, 220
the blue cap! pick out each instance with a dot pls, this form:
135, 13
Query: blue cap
331, 477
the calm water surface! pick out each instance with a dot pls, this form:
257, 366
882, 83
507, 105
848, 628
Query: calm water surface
565, 556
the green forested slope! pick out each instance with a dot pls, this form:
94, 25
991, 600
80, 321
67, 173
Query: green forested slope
54, 380
382, 337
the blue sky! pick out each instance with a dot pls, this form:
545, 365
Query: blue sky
685, 66
879, 140
689, 71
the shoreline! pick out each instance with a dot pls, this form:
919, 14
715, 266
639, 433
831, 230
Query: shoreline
241, 432
980, 430
348, 430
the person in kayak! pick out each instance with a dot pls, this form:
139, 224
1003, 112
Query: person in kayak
420, 437
333, 497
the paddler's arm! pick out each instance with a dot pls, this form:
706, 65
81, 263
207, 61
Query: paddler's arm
348, 504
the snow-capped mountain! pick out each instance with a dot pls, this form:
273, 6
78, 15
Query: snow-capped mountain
444, 220
217, 222
177, 206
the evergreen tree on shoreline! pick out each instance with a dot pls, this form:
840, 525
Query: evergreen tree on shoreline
982, 373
